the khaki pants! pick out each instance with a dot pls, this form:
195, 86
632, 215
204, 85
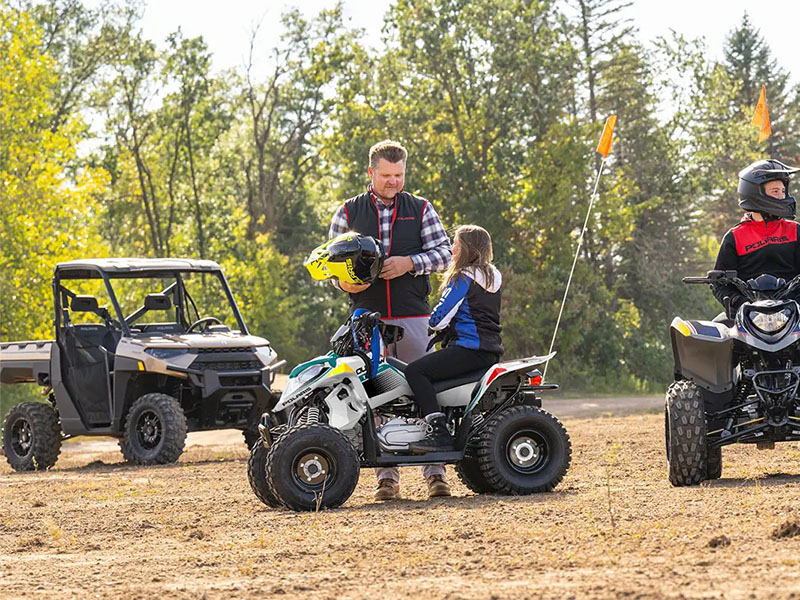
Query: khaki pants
410, 348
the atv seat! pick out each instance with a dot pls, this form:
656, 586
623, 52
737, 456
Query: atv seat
397, 363
447, 384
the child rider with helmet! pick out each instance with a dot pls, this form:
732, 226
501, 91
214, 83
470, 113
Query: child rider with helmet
766, 239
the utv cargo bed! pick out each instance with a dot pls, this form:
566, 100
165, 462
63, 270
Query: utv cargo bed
25, 362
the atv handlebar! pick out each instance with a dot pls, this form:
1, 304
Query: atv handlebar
731, 278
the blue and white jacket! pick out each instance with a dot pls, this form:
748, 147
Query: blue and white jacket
470, 312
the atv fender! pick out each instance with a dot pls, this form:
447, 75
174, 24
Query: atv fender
703, 352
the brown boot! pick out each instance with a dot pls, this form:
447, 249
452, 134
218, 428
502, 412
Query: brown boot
387, 490
438, 486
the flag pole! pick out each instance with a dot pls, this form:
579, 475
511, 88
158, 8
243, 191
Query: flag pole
574, 262
604, 148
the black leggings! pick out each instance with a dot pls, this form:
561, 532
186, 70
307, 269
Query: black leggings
447, 363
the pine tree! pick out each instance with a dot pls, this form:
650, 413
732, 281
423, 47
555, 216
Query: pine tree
748, 60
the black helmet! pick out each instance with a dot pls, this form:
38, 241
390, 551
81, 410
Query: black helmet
751, 188
348, 257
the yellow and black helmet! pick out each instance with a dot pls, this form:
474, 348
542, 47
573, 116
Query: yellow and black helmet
348, 257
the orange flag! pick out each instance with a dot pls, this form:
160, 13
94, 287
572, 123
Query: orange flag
604, 147
761, 116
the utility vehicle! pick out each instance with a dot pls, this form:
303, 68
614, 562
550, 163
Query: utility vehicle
353, 408
736, 381
144, 351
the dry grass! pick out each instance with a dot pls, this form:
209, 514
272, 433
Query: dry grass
614, 528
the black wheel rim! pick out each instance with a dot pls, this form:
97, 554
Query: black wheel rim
149, 430
527, 451
314, 470
21, 438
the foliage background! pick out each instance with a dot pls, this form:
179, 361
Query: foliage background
500, 104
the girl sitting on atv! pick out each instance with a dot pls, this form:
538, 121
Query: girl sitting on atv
467, 319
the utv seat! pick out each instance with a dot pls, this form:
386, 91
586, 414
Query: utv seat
87, 360
161, 328
91, 335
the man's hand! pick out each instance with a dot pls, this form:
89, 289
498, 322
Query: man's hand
395, 266
353, 288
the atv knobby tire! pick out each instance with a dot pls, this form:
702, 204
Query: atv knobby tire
685, 432
311, 467
32, 436
257, 475
250, 433
155, 430
713, 463
523, 450
469, 471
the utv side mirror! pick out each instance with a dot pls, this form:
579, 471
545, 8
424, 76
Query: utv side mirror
83, 304
157, 302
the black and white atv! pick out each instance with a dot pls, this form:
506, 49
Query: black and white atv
735, 381
352, 408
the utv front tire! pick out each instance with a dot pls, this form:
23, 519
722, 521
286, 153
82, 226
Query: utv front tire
155, 430
524, 450
32, 437
311, 467
685, 432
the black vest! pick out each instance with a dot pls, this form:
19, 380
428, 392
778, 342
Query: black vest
407, 295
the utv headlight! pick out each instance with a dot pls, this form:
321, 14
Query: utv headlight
770, 322
166, 353
266, 354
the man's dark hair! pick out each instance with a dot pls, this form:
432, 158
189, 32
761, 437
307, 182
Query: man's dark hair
389, 150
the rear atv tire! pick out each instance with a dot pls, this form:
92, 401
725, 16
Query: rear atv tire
31, 437
311, 467
155, 431
469, 472
685, 433
523, 450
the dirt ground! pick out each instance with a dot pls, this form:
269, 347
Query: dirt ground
614, 528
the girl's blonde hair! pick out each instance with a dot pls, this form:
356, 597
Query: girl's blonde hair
474, 250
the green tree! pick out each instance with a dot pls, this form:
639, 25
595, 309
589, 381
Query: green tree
45, 216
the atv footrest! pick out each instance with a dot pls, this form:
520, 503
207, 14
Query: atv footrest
417, 459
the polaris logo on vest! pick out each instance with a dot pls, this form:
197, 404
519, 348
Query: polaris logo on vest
773, 239
405, 218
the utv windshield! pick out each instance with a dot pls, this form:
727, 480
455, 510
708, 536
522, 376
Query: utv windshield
157, 302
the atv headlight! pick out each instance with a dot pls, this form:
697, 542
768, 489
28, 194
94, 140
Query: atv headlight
304, 377
770, 322
166, 353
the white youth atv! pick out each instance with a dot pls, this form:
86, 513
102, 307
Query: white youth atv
351, 409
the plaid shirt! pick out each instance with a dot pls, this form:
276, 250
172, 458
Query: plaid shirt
436, 252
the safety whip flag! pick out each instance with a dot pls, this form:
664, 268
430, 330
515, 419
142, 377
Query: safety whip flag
604, 147
761, 116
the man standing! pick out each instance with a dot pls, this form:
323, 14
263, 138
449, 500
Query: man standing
416, 244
